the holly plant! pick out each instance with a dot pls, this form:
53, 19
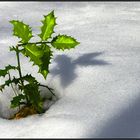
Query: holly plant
26, 87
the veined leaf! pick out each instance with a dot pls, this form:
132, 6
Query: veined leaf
48, 26
34, 52
64, 42
40, 55
22, 31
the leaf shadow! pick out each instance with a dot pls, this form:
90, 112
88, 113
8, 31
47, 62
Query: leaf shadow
66, 67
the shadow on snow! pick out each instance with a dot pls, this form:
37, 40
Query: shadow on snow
66, 67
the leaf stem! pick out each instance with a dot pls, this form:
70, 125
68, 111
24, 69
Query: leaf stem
33, 43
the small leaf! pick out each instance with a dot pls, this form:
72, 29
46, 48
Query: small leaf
48, 26
4, 72
22, 31
10, 67
64, 42
15, 102
32, 91
29, 78
7, 83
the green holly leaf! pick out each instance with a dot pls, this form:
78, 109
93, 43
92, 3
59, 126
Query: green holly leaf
15, 102
40, 56
44, 67
48, 26
4, 72
10, 67
22, 31
32, 91
14, 80
7, 83
64, 42
29, 78
34, 52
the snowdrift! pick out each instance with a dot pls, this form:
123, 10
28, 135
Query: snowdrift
98, 83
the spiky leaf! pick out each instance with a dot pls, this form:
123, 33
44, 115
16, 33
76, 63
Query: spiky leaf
21, 30
15, 102
9, 81
40, 56
4, 72
29, 78
32, 91
10, 67
44, 67
64, 42
48, 26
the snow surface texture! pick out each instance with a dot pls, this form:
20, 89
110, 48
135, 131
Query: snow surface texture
98, 82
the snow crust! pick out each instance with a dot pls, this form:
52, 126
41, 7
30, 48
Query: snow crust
98, 83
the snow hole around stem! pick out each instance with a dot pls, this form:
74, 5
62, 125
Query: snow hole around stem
25, 111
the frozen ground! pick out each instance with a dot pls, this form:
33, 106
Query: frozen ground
98, 82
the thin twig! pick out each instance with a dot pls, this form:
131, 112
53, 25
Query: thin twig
50, 89
13, 87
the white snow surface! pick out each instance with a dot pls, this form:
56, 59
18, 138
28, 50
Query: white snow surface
98, 82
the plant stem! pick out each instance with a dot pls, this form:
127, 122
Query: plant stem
19, 70
12, 84
33, 43
13, 88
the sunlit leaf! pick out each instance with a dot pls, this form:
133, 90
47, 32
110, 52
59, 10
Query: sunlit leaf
64, 42
47, 28
21, 30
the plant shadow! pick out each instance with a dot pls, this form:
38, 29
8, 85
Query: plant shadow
66, 67
124, 125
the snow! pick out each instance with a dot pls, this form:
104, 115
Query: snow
97, 82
